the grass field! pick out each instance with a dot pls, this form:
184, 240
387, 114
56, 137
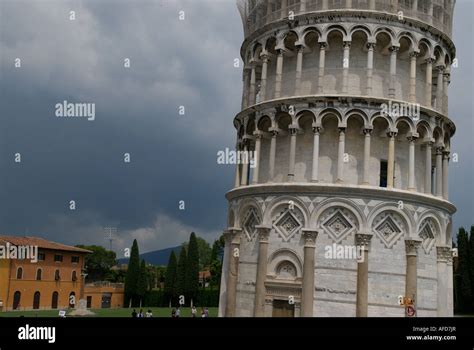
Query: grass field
157, 312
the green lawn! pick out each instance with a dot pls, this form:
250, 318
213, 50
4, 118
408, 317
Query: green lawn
157, 312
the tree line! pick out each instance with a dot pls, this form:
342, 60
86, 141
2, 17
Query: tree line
464, 272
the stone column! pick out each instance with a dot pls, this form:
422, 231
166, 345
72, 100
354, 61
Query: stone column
253, 78
413, 58
428, 83
325, 4
439, 89
362, 242
393, 5
393, 71
391, 159
299, 68
371, 4
237, 168
414, 7
447, 76
443, 254
345, 67
263, 233
412, 274
439, 172
245, 167
430, 12
291, 168
246, 83
307, 295
258, 145
411, 163
278, 75
233, 236
367, 133
445, 175
271, 168
315, 169
340, 155
263, 79
370, 67
428, 168
449, 278
322, 62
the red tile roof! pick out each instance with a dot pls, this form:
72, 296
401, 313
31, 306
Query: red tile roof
41, 243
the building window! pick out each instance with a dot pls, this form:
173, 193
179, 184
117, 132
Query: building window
36, 300
383, 173
41, 256
58, 258
74, 276
39, 274
19, 273
54, 300
57, 277
16, 300
74, 259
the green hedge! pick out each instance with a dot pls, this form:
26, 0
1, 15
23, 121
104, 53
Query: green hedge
158, 298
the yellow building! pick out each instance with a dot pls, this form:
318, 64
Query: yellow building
54, 281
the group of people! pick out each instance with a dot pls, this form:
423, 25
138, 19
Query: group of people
177, 312
148, 314
174, 313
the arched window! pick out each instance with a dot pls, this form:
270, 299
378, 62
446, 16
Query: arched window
57, 277
74, 276
19, 273
36, 300
286, 270
72, 299
39, 274
54, 300
16, 300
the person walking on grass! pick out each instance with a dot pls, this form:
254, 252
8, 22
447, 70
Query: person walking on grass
193, 311
134, 313
149, 314
173, 313
178, 312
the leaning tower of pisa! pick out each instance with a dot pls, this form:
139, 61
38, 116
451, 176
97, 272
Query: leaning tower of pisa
344, 111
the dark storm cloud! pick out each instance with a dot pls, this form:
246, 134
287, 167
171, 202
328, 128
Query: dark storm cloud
173, 157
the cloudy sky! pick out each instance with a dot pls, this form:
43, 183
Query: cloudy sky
173, 63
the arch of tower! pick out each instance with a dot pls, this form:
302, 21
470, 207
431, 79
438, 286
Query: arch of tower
345, 112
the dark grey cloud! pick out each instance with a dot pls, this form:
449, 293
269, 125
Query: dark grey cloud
173, 157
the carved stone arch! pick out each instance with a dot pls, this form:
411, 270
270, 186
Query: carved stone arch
408, 121
390, 224
356, 111
360, 28
308, 30
409, 36
384, 29
285, 255
336, 27
326, 112
305, 112
428, 45
423, 124
377, 115
287, 215
338, 218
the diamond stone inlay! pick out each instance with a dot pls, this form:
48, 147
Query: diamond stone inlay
287, 225
337, 226
388, 230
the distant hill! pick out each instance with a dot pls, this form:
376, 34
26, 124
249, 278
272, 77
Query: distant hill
156, 257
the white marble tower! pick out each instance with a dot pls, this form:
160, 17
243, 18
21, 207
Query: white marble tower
345, 104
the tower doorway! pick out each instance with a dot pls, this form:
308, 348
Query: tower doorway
282, 308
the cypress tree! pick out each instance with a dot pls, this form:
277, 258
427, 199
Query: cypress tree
181, 274
133, 271
465, 291
142, 282
170, 277
192, 269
